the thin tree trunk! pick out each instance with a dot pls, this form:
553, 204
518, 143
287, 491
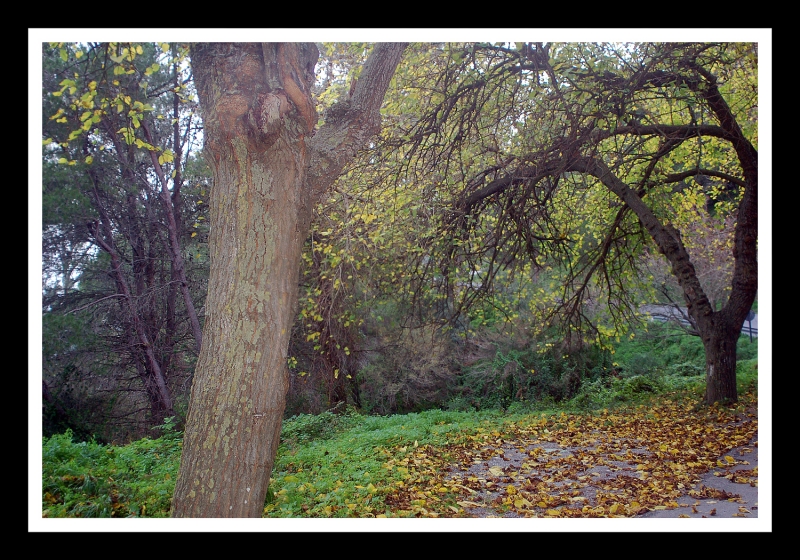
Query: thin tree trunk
139, 331
174, 243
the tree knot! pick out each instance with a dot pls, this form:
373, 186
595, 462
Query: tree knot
266, 114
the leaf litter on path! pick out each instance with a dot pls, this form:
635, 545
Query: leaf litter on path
624, 463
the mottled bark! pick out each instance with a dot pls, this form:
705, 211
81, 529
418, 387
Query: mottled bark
259, 118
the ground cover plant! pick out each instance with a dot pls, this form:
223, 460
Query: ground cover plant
635, 443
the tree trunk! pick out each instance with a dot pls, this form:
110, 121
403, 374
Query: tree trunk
720, 348
173, 235
258, 121
155, 383
719, 330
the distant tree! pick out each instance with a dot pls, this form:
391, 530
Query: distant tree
117, 149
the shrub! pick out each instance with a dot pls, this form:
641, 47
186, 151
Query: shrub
632, 388
746, 350
459, 403
303, 428
410, 373
686, 369
643, 365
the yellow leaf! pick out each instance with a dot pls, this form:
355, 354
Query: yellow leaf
194, 233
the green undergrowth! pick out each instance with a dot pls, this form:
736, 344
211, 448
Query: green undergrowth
337, 464
89, 479
346, 475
